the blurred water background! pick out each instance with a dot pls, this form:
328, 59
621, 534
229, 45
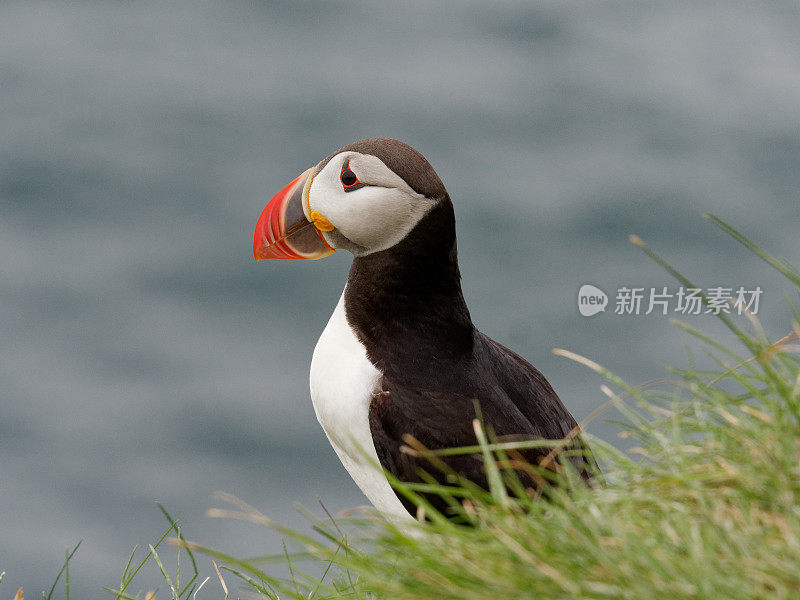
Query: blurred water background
143, 354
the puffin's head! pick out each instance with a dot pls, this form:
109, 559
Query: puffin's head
363, 198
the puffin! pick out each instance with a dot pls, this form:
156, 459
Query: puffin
400, 355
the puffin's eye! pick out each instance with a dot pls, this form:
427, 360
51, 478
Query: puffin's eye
348, 177
349, 180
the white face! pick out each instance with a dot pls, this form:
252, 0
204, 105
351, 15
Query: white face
372, 217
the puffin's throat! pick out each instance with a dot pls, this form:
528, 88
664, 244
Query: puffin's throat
405, 303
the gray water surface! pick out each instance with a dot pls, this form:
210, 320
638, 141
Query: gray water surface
145, 357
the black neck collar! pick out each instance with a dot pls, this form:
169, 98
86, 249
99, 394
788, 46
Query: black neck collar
405, 303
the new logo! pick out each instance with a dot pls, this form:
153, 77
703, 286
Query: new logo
591, 300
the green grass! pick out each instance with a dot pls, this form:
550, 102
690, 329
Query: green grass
49, 595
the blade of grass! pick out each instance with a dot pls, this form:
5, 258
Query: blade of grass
65, 567
783, 267
493, 477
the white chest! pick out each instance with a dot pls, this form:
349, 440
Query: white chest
342, 383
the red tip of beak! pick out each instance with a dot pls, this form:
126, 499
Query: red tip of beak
270, 233
282, 230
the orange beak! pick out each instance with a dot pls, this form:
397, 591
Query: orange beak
283, 231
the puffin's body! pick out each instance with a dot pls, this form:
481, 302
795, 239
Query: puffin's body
400, 354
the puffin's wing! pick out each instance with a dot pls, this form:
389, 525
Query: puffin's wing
515, 400
536, 399
437, 421
525, 387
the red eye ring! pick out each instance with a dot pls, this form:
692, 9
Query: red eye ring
349, 179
